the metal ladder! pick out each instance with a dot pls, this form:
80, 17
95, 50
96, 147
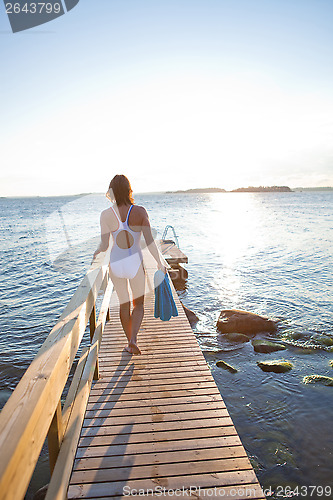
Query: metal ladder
174, 235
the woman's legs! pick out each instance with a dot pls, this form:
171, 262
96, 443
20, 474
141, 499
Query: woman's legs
125, 319
136, 320
131, 322
121, 287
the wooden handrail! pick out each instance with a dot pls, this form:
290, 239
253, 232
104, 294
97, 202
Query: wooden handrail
57, 489
35, 403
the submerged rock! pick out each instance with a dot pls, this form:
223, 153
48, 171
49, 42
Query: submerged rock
304, 350
237, 337
321, 379
41, 493
255, 463
223, 364
291, 336
233, 320
266, 346
276, 366
323, 340
191, 316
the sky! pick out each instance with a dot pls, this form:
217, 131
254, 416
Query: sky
175, 94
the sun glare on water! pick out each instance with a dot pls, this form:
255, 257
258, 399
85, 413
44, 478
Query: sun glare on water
234, 222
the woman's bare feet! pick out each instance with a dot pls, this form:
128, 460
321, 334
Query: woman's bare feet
128, 349
134, 348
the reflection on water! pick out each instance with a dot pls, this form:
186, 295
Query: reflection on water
234, 233
227, 283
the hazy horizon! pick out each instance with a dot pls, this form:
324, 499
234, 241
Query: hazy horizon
297, 188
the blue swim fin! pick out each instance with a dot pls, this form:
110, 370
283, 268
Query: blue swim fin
165, 306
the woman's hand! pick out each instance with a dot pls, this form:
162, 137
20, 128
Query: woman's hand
161, 267
95, 255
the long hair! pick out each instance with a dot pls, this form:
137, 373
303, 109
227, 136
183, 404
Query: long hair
122, 191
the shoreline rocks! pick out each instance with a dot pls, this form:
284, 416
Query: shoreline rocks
323, 340
264, 346
276, 366
321, 379
235, 321
191, 316
41, 493
237, 337
226, 366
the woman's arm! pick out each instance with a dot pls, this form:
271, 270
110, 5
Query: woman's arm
105, 237
150, 242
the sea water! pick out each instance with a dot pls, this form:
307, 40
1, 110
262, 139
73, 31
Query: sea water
268, 253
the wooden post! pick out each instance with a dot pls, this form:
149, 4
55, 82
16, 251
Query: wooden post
55, 436
92, 325
92, 322
107, 283
96, 372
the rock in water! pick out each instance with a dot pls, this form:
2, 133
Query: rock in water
323, 340
321, 379
41, 493
232, 320
276, 366
237, 337
191, 316
266, 346
223, 364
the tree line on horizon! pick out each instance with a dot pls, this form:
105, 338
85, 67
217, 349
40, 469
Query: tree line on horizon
250, 189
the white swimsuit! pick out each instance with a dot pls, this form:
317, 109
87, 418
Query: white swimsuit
125, 262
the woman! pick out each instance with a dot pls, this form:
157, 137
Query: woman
126, 222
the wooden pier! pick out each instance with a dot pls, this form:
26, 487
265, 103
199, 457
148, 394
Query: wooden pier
151, 425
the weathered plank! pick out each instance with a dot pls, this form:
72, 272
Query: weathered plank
161, 458
218, 479
158, 416
158, 374
249, 491
172, 254
210, 440
177, 409
160, 401
100, 435
130, 472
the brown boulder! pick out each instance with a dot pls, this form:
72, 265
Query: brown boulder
191, 316
226, 366
41, 493
233, 320
276, 366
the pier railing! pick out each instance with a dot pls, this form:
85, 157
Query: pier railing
34, 410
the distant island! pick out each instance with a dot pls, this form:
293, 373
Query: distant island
250, 189
263, 189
